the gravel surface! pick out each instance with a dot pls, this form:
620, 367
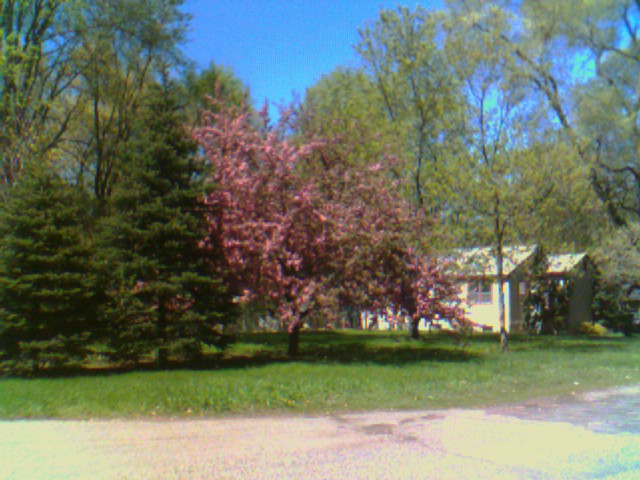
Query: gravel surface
577, 439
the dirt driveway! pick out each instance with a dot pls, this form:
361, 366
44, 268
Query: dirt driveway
510, 442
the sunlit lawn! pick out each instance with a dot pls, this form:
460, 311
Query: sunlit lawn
337, 371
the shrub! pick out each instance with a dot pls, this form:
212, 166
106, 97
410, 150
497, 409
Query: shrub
592, 330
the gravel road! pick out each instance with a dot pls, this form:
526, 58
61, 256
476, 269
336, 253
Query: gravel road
581, 441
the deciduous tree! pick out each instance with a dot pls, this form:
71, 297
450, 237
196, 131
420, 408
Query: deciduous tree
517, 177
120, 48
347, 105
35, 74
403, 53
213, 86
305, 237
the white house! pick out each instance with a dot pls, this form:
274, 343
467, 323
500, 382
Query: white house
478, 273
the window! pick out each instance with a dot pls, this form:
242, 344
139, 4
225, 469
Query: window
522, 288
522, 291
480, 292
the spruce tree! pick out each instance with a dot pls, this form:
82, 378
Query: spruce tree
165, 298
49, 289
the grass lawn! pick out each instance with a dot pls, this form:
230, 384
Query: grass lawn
337, 371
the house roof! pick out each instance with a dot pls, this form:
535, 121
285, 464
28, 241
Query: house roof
481, 261
564, 263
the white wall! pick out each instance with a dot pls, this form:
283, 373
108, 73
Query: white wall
488, 314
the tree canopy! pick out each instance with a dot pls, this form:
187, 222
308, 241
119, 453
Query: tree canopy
308, 233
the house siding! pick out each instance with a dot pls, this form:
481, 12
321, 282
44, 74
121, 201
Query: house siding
580, 309
488, 315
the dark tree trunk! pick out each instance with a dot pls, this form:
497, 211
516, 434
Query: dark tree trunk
162, 359
504, 340
161, 336
415, 329
294, 340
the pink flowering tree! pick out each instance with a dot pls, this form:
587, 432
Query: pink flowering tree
303, 233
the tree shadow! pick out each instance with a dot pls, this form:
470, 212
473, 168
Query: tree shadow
351, 348
358, 353
250, 350
572, 344
262, 349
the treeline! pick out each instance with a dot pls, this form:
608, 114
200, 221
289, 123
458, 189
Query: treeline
103, 209
511, 122
127, 272
146, 203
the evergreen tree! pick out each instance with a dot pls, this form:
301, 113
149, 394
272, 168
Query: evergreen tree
546, 305
613, 305
165, 297
48, 283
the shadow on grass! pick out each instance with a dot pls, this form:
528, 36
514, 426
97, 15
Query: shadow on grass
250, 350
354, 353
570, 344
349, 347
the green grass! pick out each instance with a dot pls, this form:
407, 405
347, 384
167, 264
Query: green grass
337, 371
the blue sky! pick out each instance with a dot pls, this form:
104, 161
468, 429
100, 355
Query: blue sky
278, 47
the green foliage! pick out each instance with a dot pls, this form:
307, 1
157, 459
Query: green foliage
420, 96
347, 105
212, 88
605, 33
476, 147
612, 306
592, 330
119, 48
71, 75
49, 288
494, 127
618, 276
33, 68
165, 296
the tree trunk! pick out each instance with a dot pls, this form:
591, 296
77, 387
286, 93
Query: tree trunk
504, 340
294, 340
161, 336
415, 329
